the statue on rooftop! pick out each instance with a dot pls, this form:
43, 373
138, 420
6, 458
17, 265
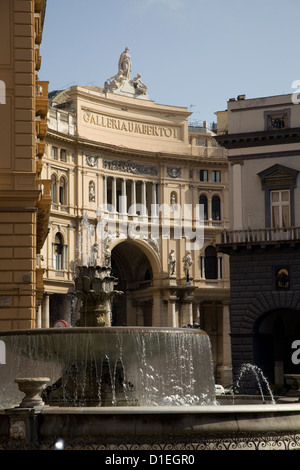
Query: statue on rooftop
121, 83
139, 85
124, 65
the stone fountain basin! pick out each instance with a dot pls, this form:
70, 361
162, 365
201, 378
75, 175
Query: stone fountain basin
83, 343
160, 365
182, 428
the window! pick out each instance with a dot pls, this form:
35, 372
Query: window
280, 208
216, 208
62, 191
53, 188
211, 263
277, 121
58, 251
216, 176
54, 153
201, 142
278, 183
203, 175
63, 155
203, 202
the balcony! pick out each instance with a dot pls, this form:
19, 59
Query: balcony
262, 237
41, 101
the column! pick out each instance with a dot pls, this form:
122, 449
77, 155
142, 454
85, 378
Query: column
114, 194
187, 313
46, 311
105, 193
237, 195
226, 368
139, 316
156, 309
144, 200
39, 317
133, 198
196, 313
202, 266
154, 211
123, 198
172, 320
220, 266
209, 210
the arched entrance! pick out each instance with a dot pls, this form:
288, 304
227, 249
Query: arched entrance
135, 273
275, 332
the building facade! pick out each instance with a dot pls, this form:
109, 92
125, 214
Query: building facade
262, 138
24, 197
137, 167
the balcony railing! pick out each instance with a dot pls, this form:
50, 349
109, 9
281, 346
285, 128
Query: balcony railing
259, 236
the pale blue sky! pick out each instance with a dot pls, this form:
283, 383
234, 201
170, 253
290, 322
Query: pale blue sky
191, 53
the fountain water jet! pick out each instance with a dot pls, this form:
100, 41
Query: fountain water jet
254, 372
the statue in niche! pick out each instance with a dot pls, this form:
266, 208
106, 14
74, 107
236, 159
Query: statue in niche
283, 279
124, 65
187, 263
172, 263
173, 202
92, 195
139, 85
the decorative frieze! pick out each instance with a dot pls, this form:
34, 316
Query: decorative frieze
130, 167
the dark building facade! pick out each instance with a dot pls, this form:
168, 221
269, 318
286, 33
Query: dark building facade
262, 138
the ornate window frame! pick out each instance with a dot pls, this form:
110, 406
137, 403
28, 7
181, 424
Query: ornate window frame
278, 177
277, 120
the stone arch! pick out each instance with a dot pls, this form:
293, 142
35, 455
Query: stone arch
269, 301
272, 320
150, 252
136, 266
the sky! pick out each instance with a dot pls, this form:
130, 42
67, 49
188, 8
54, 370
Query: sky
191, 53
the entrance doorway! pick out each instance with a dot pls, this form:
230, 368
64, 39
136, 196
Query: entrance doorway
274, 334
132, 268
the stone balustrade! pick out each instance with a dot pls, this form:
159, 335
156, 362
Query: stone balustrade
261, 235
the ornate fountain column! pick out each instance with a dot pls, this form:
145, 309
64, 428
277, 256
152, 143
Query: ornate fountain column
94, 286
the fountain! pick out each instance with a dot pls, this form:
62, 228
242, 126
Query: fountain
254, 372
124, 387
95, 364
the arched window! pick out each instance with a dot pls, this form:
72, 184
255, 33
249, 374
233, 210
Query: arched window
216, 208
62, 191
53, 188
203, 202
58, 252
211, 263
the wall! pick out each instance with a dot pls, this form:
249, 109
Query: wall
20, 34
